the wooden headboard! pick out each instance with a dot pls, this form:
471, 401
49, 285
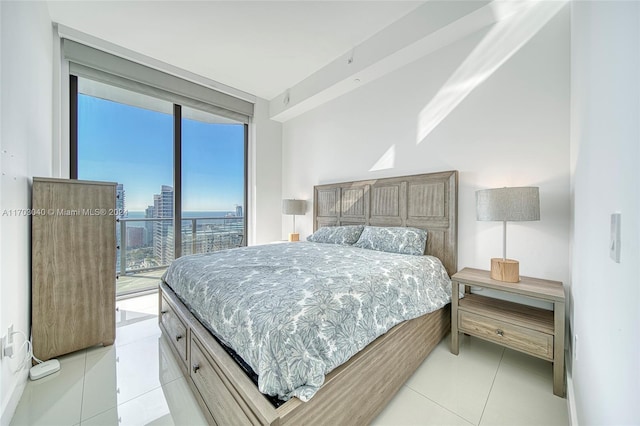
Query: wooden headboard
428, 201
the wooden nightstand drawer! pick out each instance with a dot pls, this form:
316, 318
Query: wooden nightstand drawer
176, 330
538, 332
513, 336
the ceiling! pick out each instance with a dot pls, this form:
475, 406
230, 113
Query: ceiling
260, 47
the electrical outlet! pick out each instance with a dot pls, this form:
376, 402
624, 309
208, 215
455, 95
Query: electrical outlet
575, 347
6, 344
6, 348
8, 351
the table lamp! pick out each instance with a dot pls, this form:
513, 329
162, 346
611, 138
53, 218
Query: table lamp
507, 204
294, 207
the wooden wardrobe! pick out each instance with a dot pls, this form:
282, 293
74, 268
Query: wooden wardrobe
73, 265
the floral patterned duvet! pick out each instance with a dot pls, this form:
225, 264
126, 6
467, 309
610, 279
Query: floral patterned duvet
296, 311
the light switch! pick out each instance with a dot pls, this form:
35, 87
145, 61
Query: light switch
614, 244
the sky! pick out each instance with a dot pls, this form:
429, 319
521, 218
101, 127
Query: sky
134, 146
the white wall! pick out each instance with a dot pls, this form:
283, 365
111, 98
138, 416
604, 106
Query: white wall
511, 130
28, 74
265, 186
25, 149
605, 155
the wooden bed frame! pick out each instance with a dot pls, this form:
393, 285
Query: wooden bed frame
357, 391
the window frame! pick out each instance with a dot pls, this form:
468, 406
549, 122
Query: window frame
177, 162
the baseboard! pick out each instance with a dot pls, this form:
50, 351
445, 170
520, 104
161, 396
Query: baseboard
571, 401
14, 398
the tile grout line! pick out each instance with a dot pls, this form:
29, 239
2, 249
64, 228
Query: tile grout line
85, 371
84, 380
437, 403
122, 345
160, 386
491, 388
132, 399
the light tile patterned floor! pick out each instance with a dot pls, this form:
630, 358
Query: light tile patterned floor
137, 382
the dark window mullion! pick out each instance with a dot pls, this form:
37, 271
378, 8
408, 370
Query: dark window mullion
245, 213
73, 127
177, 181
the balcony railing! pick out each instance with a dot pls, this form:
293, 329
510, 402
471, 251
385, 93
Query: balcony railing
147, 245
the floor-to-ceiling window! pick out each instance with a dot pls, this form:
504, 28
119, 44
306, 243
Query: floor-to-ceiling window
213, 182
181, 175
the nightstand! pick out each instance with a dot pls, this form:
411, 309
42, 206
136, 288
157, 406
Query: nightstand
535, 331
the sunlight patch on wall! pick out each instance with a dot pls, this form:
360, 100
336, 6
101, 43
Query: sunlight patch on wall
517, 23
387, 161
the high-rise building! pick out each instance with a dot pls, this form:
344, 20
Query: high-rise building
134, 237
163, 230
120, 199
148, 226
238, 211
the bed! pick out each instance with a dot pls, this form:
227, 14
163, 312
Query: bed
353, 392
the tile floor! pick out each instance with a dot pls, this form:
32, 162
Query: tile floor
137, 382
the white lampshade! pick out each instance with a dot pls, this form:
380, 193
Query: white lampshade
508, 204
294, 207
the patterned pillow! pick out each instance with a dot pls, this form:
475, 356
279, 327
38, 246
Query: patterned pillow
393, 240
344, 235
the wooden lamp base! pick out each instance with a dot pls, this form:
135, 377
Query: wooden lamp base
507, 270
294, 237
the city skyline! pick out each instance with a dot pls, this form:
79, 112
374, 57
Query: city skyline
150, 243
121, 204
134, 146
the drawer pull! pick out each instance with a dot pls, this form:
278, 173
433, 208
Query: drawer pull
178, 337
500, 333
195, 367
